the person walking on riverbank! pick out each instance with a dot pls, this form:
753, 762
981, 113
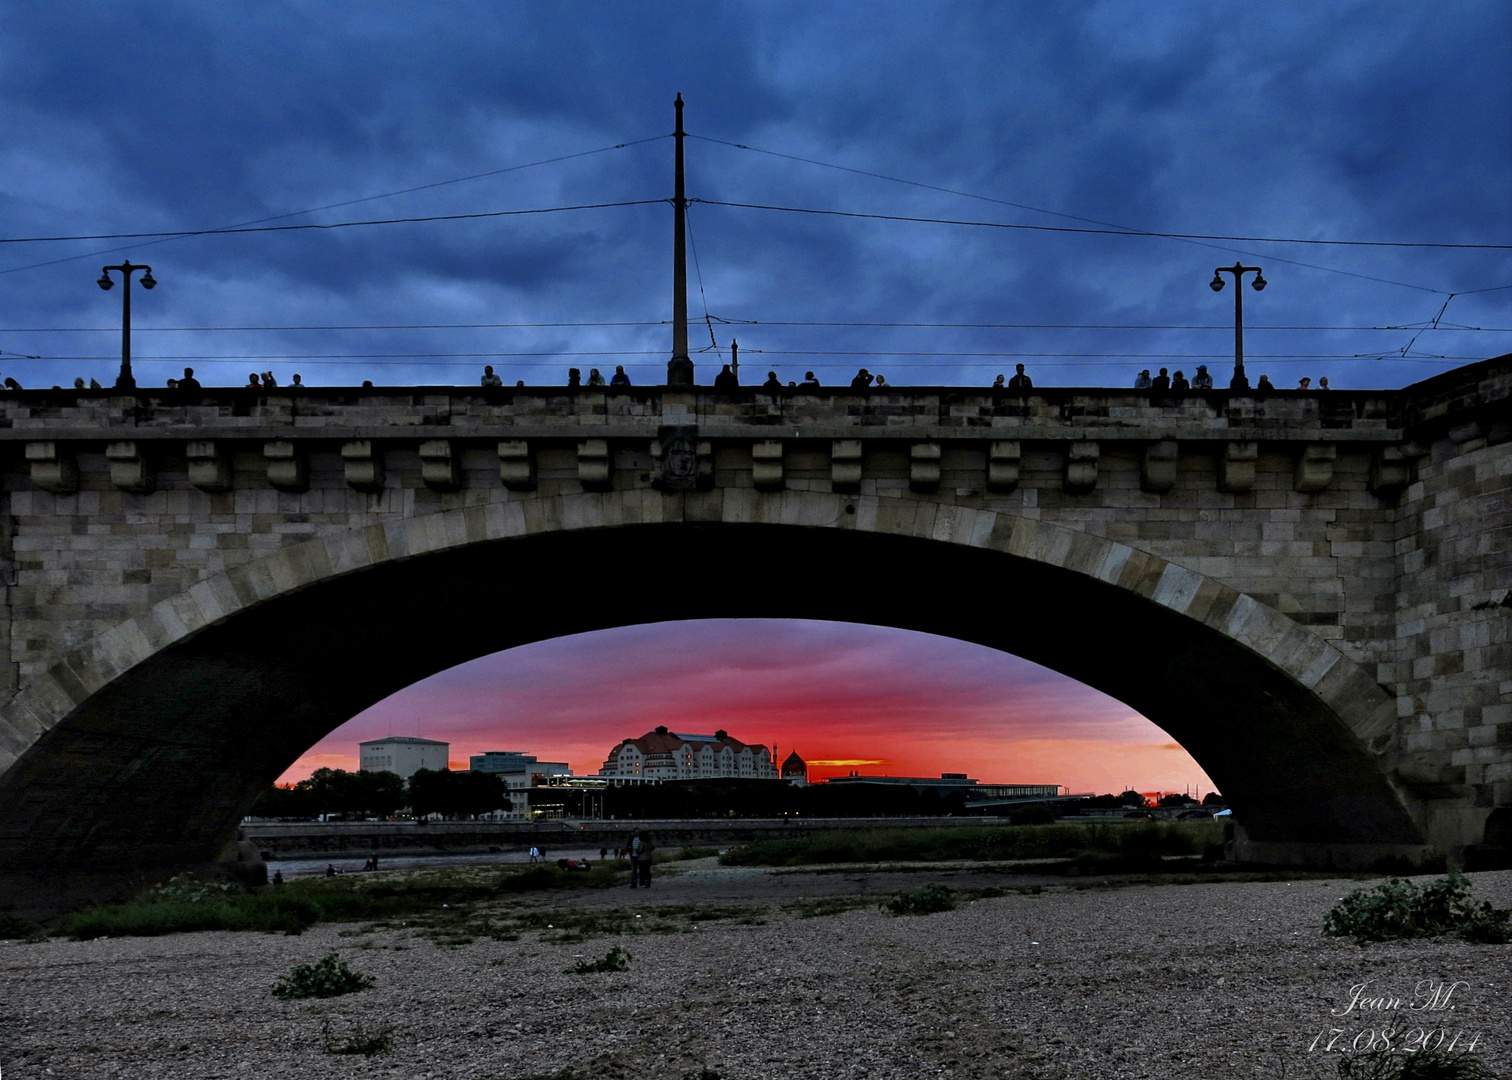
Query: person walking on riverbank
640, 848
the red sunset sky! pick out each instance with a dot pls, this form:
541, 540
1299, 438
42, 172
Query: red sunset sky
845, 696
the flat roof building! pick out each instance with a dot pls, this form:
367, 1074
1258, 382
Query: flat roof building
402, 754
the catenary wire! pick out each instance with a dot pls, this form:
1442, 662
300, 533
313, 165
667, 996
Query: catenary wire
1075, 217
1228, 327
351, 202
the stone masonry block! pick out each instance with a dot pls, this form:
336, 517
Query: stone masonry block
52, 468
1158, 468
286, 465
129, 469
1003, 465
924, 467
438, 465
209, 468
1236, 466
363, 463
595, 469
766, 465
1315, 468
845, 464
1390, 471
1081, 466
516, 465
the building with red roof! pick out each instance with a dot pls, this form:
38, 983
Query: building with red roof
670, 755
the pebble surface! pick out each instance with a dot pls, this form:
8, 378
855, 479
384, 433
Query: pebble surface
1204, 981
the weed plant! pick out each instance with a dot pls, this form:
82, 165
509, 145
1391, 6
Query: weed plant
1143, 843
327, 977
1399, 909
616, 959
1422, 1065
926, 901
359, 1040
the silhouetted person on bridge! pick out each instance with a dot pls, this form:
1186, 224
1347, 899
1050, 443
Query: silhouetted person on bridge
809, 380
1161, 382
997, 383
862, 380
489, 378
253, 380
726, 379
619, 378
1179, 382
1264, 383
189, 382
574, 377
1142, 380
1202, 380
773, 382
594, 378
1020, 381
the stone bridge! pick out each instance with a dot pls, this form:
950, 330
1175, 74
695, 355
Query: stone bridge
1307, 590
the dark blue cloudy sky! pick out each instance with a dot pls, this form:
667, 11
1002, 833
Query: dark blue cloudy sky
1344, 121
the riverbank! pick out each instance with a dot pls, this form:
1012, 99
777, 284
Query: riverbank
754, 972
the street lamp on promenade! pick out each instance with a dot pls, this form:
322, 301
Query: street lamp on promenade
1239, 381
125, 381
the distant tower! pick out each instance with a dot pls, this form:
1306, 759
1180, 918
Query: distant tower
794, 769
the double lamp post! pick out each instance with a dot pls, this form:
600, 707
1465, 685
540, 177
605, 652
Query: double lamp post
1239, 381
125, 380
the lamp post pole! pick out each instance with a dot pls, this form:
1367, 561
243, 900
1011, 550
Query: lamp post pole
679, 368
125, 380
1239, 381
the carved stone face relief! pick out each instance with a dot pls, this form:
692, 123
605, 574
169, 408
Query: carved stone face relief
679, 460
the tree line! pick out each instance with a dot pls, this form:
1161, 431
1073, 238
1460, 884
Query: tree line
336, 793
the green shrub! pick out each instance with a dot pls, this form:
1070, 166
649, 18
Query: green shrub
616, 959
267, 912
925, 901
1398, 909
327, 977
13, 927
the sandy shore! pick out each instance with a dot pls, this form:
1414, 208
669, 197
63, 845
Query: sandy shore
1206, 981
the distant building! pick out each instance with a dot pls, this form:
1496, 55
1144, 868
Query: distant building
795, 769
402, 754
521, 772
668, 755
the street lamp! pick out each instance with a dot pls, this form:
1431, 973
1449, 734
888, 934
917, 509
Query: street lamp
1238, 382
125, 381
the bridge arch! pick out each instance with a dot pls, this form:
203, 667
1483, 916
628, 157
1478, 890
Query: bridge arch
139, 751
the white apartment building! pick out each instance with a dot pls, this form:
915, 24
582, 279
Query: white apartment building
668, 755
402, 754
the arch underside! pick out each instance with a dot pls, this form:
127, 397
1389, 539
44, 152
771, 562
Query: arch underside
153, 770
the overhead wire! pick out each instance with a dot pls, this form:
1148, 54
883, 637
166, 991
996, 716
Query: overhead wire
353, 202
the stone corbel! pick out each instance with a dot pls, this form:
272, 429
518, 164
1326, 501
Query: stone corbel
1236, 468
129, 470
286, 466
845, 465
1315, 468
516, 466
209, 470
924, 467
52, 468
1081, 465
1390, 472
595, 470
766, 465
438, 465
1158, 471
363, 464
1003, 465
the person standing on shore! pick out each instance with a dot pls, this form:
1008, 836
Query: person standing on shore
640, 848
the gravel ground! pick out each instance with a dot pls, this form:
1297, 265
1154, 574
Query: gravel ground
1206, 981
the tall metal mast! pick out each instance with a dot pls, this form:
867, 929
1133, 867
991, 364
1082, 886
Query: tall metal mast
679, 368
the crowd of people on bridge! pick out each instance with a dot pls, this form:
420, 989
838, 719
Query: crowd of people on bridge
728, 379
